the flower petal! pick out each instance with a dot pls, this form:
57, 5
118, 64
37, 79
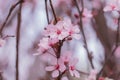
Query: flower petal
49, 68
76, 73
64, 78
55, 73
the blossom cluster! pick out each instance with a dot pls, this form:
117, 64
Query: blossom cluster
54, 37
66, 63
54, 34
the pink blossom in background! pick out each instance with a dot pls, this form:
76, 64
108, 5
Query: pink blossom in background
93, 75
87, 13
66, 56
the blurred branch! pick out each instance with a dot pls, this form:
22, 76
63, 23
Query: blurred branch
10, 11
1, 77
47, 11
108, 57
18, 39
83, 34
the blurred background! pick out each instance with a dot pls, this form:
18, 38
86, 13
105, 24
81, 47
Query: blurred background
100, 32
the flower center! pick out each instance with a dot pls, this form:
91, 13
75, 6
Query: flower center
57, 66
72, 68
58, 32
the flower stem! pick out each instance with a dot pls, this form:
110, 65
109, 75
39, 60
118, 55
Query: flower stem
53, 11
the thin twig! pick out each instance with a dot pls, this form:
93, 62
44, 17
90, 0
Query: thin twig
53, 10
47, 11
10, 11
18, 39
81, 27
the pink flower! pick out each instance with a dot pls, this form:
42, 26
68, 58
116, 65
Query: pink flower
2, 42
66, 57
63, 29
72, 68
87, 13
43, 45
92, 75
111, 7
56, 68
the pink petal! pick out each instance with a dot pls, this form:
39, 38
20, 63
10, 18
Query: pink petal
64, 78
36, 54
76, 74
107, 8
71, 72
73, 62
55, 73
49, 68
62, 68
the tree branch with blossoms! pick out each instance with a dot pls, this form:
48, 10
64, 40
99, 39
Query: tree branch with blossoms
83, 34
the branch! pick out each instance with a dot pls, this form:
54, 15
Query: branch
113, 51
53, 10
81, 28
18, 39
10, 11
47, 11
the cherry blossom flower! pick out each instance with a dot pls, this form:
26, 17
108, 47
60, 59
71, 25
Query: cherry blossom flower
56, 68
111, 7
63, 29
43, 45
87, 13
92, 75
72, 68
66, 57
2, 42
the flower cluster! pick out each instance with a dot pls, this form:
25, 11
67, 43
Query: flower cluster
55, 34
52, 42
66, 63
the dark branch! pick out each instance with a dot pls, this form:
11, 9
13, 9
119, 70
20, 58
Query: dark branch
47, 11
18, 39
53, 10
10, 11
